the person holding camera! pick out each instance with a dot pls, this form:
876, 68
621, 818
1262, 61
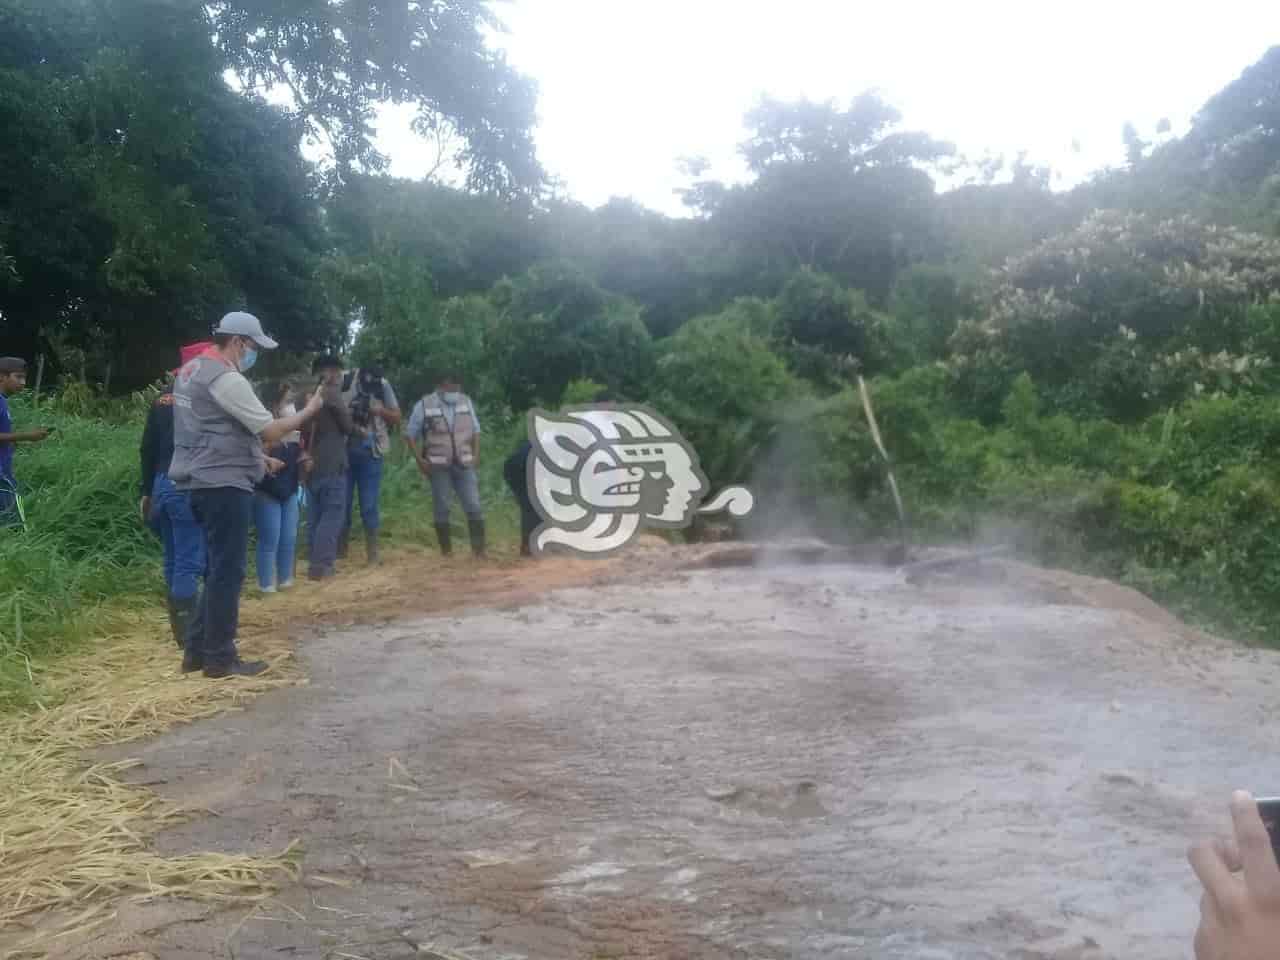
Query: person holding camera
374, 410
326, 470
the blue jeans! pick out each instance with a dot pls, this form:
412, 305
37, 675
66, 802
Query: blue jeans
224, 514
180, 534
8, 501
365, 474
326, 499
277, 525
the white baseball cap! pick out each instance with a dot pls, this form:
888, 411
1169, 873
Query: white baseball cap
245, 325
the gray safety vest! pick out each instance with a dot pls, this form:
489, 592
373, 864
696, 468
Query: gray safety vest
211, 448
444, 444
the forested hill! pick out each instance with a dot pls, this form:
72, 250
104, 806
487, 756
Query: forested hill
1092, 372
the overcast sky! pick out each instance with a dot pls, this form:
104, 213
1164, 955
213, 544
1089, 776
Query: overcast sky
628, 87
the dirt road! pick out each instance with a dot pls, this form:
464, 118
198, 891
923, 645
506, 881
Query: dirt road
767, 763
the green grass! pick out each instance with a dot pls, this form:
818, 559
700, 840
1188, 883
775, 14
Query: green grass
83, 546
406, 496
85, 555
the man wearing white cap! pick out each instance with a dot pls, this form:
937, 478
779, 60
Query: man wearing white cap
219, 429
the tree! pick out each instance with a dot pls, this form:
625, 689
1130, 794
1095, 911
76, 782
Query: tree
929, 303
340, 59
174, 199
554, 325
1127, 313
837, 191
719, 380
659, 262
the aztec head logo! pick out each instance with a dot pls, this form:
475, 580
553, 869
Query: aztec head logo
600, 473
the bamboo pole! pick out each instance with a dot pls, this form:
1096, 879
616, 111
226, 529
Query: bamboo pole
888, 464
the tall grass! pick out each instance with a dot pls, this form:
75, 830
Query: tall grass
83, 545
85, 555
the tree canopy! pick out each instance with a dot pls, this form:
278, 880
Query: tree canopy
143, 196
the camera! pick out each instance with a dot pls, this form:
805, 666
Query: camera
360, 414
368, 388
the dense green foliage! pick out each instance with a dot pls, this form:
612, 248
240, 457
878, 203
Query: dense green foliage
1091, 374
143, 197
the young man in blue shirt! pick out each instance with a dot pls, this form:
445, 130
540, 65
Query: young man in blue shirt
13, 379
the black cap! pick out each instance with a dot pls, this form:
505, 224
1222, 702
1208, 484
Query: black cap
326, 362
12, 365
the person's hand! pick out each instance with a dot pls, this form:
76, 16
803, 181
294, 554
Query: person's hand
274, 466
1239, 915
315, 403
35, 436
375, 406
144, 509
165, 400
424, 465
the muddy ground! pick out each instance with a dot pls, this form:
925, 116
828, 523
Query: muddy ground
790, 762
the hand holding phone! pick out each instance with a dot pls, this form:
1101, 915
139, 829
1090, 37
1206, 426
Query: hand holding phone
1269, 810
1240, 908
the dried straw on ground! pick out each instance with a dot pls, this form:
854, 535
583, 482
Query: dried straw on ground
72, 836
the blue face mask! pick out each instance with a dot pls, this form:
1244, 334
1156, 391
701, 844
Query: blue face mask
250, 358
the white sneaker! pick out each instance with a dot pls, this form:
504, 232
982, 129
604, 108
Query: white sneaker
267, 589
286, 585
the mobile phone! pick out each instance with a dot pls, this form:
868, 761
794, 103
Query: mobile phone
1269, 809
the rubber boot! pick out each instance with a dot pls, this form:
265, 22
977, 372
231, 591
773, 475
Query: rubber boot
175, 626
185, 614
371, 546
443, 535
475, 526
344, 542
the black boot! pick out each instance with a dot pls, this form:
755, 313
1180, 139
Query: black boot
443, 535
175, 628
236, 668
181, 615
371, 546
475, 526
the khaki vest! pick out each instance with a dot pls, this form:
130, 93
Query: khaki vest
211, 448
444, 446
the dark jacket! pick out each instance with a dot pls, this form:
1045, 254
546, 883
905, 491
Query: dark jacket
328, 444
157, 443
285, 483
